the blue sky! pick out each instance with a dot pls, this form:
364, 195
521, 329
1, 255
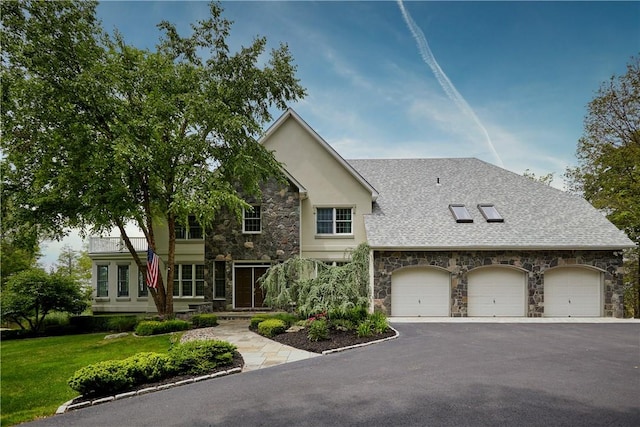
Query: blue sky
521, 72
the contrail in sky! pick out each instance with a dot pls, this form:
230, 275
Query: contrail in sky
442, 78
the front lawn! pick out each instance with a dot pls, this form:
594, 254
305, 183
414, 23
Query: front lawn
35, 371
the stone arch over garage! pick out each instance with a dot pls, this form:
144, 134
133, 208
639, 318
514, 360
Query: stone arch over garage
421, 291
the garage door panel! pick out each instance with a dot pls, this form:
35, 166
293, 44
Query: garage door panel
572, 292
496, 292
420, 292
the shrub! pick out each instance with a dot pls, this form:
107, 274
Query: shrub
257, 319
271, 327
116, 376
204, 320
152, 327
288, 319
343, 325
364, 329
318, 330
378, 322
200, 357
122, 323
108, 377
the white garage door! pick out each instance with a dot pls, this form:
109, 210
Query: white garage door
572, 292
420, 292
496, 292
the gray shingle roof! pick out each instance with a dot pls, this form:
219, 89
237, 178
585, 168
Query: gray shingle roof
412, 210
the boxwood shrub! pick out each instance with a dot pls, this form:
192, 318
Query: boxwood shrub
204, 320
117, 376
271, 327
152, 327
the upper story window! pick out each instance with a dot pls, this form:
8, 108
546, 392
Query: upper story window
490, 213
193, 231
334, 221
251, 220
460, 213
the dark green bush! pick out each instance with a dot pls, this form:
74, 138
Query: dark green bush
88, 324
117, 376
122, 323
271, 327
257, 319
151, 327
102, 378
200, 357
204, 320
318, 330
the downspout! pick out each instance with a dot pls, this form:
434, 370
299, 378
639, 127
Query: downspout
371, 279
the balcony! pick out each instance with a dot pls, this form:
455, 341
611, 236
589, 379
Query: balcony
115, 244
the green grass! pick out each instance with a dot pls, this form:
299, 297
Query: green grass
33, 382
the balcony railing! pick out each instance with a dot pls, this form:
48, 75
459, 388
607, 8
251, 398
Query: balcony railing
115, 244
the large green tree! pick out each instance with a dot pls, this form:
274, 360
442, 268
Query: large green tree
98, 133
608, 174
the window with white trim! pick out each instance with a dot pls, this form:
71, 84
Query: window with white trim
123, 281
191, 232
188, 280
143, 290
219, 279
103, 281
334, 221
251, 220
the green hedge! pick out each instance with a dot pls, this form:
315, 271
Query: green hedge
288, 319
152, 327
117, 376
271, 327
204, 320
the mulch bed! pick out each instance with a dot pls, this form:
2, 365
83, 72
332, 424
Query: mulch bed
337, 339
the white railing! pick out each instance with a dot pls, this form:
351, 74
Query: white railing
115, 244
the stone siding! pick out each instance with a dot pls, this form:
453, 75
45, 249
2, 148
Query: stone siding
278, 240
535, 263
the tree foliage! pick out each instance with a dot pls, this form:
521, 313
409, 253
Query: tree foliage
98, 133
313, 287
32, 294
608, 174
74, 264
544, 179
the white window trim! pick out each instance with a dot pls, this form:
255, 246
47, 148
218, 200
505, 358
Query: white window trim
244, 230
178, 278
333, 234
102, 297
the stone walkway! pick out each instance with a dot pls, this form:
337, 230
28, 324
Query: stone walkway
258, 352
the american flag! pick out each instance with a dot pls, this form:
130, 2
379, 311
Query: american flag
152, 269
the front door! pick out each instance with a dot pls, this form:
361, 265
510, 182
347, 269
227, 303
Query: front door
248, 293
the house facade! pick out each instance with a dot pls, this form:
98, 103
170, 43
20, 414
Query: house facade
448, 237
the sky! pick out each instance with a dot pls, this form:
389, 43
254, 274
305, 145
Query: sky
505, 82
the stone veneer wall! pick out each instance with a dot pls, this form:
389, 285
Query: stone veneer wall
459, 263
279, 239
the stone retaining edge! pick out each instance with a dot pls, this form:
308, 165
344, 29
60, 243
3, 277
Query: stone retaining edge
70, 406
336, 350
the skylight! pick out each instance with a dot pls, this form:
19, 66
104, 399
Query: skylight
460, 213
490, 213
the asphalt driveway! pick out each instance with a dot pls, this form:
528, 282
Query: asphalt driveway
434, 374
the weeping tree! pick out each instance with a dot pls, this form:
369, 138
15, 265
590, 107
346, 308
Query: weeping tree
98, 133
313, 286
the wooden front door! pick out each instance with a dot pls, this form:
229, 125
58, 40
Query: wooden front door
248, 293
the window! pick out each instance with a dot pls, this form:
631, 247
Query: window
219, 279
460, 213
251, 222
187, 279
193, 231
143, 290
334, 220
103, 281
123, 280
490, 213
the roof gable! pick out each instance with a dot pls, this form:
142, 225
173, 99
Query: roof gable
290, 114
